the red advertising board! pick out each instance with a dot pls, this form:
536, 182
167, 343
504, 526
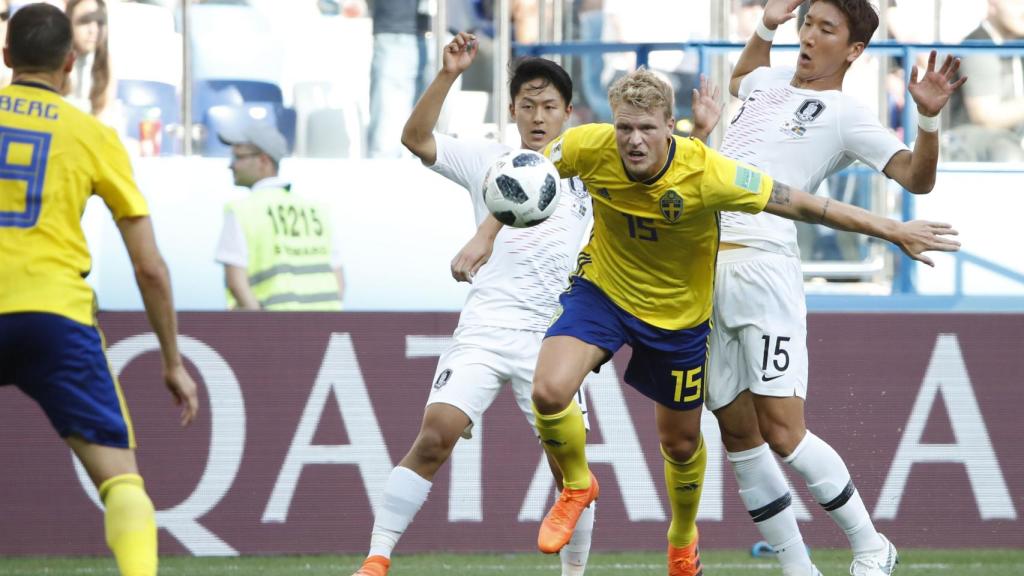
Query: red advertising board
304, 415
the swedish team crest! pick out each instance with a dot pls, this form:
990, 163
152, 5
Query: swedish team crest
671, 205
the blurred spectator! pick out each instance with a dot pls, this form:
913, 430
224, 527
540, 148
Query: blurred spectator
279, 250
91, 86
525, 16
989, 123
398, 71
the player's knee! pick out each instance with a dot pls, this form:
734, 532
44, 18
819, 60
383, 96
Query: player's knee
432, 448
782, 439
738, 436
549, 395
680, 447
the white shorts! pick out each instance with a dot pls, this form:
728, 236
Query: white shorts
759, 327
472, 370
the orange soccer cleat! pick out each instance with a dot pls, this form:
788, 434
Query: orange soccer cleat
558, 525
374, 566
685, 560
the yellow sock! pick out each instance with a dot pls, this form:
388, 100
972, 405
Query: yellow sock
565, 438
685, 482
130, 525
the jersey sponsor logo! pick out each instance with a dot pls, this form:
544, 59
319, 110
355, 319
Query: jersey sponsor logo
442, 378
747, 179
766, 378
671, 206
809, 110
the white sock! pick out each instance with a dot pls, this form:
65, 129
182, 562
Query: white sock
766, 497
574, 555
829, 481
404, 495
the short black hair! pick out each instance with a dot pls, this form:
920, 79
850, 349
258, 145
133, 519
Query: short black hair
861, 18
38, 38
524, 70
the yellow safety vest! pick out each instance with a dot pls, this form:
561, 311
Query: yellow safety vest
289, 243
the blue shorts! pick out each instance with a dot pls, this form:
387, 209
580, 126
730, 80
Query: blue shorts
61, 365
668, 366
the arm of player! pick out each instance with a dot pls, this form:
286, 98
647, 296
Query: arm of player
418, 134
155, 285
237, 280
707, 109
915, 170
477, 251
757, 52
913, 237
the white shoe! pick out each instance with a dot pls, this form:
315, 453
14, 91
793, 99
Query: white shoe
881, 563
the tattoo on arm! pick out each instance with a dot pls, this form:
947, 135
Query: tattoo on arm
780, 193
824, 211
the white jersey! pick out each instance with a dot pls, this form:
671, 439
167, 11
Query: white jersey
518, 287
799, 137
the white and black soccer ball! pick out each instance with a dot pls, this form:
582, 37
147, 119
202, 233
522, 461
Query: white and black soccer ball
521, 188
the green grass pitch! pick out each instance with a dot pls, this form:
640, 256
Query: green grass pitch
716, 563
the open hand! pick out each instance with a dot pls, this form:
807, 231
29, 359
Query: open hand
919, 236
707, 108
778, 12
936, 86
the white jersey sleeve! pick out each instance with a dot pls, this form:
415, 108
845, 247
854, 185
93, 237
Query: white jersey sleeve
466, 162
519, 285
751, 81
865, 139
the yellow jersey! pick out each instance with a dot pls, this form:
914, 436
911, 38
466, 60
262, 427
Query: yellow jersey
655, 242
53, 157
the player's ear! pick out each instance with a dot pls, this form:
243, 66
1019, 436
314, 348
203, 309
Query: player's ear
69, 61
854, 52
512, 109
7, 57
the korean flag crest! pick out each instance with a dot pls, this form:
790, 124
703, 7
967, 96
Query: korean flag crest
671, 206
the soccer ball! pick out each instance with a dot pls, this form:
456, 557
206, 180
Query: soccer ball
521, 188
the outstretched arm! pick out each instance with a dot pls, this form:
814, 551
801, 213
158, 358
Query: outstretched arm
915, 170
913, 237
418, 134
757, 52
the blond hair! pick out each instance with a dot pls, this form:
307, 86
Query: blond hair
643, 89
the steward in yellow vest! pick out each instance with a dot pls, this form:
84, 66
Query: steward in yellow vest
277, 248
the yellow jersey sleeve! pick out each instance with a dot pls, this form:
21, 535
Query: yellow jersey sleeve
564, 152
732, 186
114, 180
